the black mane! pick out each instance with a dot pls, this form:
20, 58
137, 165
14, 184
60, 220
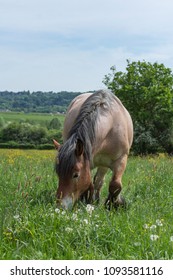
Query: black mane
84, 130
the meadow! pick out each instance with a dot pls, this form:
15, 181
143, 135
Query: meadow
35, 118
31, 227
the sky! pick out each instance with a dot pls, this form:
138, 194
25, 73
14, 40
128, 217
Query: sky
57, 45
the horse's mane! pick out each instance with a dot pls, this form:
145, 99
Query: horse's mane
84, 129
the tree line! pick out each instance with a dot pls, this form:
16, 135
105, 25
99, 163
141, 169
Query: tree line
40, 102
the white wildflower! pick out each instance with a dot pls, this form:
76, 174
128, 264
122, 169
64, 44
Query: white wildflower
89, 208
68, 229
159, 223
153, 227
16, 217
85, 221
137, 244
146, 226
154, 237
171, 238
57, 210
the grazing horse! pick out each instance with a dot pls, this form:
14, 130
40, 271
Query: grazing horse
98, 132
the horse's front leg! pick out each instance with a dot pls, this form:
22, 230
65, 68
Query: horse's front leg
98, 182
114, 199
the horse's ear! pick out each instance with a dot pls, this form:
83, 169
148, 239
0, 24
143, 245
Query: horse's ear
56, 144
79, 148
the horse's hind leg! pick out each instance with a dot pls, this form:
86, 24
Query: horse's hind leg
115, 185
98, 182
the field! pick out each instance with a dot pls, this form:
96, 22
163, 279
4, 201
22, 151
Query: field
31, 227
36, 118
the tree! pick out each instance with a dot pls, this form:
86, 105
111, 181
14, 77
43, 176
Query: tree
146, 90
54, 124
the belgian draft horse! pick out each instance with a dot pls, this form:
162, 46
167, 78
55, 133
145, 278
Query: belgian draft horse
98, 132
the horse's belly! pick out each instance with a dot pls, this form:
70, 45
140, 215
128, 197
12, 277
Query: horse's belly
103, 160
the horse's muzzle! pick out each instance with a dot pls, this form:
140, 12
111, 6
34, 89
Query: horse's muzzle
65, 203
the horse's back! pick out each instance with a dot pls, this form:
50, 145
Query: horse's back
114, 129
73, 111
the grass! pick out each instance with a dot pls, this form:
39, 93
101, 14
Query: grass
36, 118
32, 228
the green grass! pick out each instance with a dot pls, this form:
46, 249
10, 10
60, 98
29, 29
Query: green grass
32, 228
30, 117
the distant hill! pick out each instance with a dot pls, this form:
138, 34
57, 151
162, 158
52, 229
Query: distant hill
40, 102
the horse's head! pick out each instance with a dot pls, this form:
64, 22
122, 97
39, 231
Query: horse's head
73, 170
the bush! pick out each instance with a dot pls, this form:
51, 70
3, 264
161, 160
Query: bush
144, 142
15, 145
27, 136
54, 124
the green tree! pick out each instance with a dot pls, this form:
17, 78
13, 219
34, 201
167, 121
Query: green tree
54, 124
146, 90
11, 132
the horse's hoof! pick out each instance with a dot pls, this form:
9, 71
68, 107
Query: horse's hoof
108, 203
120, 203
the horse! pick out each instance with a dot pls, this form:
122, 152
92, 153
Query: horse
98, 132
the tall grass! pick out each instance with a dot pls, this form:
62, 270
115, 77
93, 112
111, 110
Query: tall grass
32, 228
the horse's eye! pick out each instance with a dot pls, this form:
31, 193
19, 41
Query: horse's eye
75, 175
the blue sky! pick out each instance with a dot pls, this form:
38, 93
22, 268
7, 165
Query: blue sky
55, 45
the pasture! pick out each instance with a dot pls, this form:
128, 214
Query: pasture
35, 118
31, 227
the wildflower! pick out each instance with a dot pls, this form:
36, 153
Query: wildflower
171, 238
16, 217
153, 227
57, 210
89, 208
137, 244
154, 237
63, 212
146, 226
68, 229
159, 223
85, 221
